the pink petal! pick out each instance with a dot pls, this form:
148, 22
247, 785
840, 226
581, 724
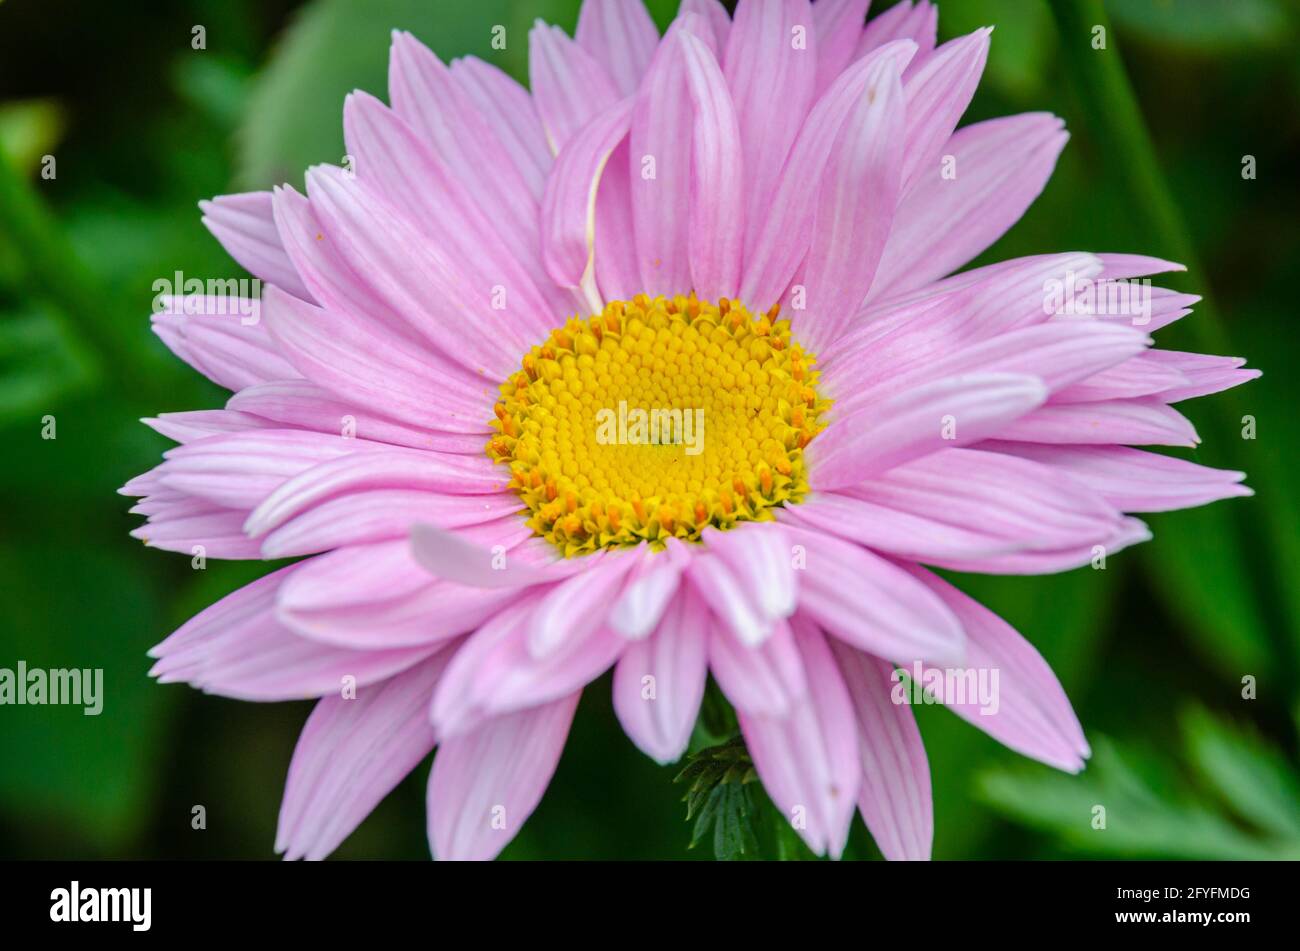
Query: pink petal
245, 226
714, 15
375, 596
731, 597
649, 589
761, 58
223, 338
1000, 167
781, 234
157, 498
915, 423
808, 759
379, 515
350, 756
486, 784
425, 93
1166, 306
450, 556
766, 680
618, 274
570, 87
1059, 352
839, 28
1128, 531
761, 558
361, 362
1034, 716
895, 795
236, 648
200, 424
911, 330
964, 504
855, 207
514, 679
336, 281
192, 526
414, 277
304, 404
497, 673
1133, 480
508, 108
717, 211
938, 92
1122, 266
390, 156
659, 681
1017, 499
577, 606
333, 281
621, 35
879, 527
902, 21
1144, 422
239, 470
378, 468
1205, 373
569, 206
870, 602
359, 576
660, 171
1137, 376
455, 707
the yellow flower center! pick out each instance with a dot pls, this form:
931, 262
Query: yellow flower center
657, 418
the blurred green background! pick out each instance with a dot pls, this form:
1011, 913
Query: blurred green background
1153, 650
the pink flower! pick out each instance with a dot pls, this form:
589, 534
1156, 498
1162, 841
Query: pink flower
437, 404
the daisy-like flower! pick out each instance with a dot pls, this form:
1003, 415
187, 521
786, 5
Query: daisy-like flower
741, 231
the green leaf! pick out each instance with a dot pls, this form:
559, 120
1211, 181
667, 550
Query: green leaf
295, 116
734, 838
718, 799
1139, 821
1252, 777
